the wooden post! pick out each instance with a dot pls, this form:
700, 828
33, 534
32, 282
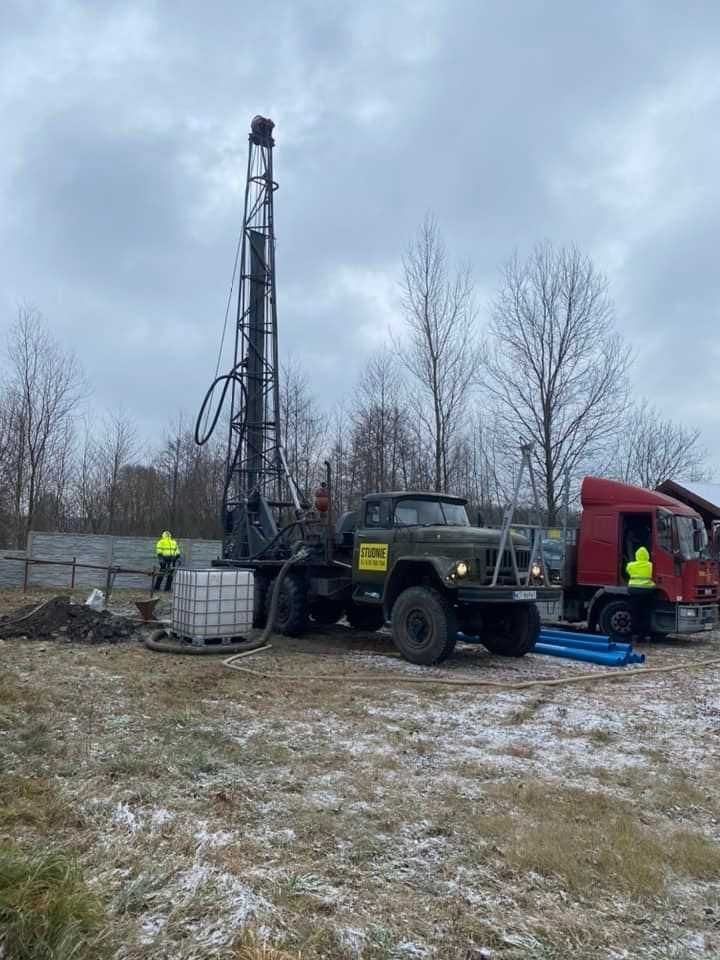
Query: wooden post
28, 559
72, 578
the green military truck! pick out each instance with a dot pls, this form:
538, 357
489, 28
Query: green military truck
413, 560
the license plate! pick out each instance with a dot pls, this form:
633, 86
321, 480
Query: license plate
707, 626
525, 595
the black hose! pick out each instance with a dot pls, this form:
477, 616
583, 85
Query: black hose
228, 378
156, 642
275, 595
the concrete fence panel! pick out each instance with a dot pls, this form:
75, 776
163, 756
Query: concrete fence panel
137, 553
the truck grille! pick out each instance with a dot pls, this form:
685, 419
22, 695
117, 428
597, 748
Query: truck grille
506, 575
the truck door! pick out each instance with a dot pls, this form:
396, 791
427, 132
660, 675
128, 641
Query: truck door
371, 554
635, 531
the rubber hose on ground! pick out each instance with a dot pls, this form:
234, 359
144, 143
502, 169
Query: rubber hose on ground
156, 642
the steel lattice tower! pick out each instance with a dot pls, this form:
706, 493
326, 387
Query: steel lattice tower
254, 456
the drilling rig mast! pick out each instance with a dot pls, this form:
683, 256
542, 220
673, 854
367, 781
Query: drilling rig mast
255, 478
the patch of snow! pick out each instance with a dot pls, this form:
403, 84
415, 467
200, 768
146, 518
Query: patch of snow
151, 927
408, 948
352, 938
161, 816
140, 819
323, 799
124, 816
281, 837
220, 838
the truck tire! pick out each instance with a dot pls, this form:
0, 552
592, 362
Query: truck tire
326, 610
292, 609
260, 599
364, 616
511, 631
424, 626
617, 620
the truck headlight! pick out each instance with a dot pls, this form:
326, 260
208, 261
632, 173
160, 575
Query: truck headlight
536, 569
688, 612
461, 569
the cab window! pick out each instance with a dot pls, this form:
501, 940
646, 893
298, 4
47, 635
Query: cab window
413, 513
663, 530
377, 513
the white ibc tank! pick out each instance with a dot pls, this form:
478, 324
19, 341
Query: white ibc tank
212, 603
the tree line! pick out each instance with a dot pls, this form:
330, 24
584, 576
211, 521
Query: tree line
444, 405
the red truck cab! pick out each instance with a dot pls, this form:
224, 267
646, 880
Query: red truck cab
616, 519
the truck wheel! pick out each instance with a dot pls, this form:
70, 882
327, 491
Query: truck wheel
325, 611
291, 613
424, 626
511, 631
260, 598
617, 620
364, 616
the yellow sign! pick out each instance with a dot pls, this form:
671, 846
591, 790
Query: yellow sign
553, 534
373, 556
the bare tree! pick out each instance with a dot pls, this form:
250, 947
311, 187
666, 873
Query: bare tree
118, 446
476, 473
46, 386
554, 364
304, 427
653, 449
378, 424
439, 350
100, 470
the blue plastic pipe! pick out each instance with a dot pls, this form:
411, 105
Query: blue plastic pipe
611, 658
567, 635
585, 643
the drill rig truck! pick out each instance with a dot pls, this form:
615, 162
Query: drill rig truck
407, 558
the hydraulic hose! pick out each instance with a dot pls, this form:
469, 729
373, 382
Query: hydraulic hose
228, 378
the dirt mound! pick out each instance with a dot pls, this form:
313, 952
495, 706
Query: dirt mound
60, 619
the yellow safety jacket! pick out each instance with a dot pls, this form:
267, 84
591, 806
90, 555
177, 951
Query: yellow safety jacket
640, 570
166, 546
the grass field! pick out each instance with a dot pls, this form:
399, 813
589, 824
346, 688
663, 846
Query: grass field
162, 807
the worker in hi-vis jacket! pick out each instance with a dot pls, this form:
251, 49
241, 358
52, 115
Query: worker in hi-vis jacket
168, 555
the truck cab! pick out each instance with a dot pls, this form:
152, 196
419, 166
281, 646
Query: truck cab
617, 519
416, 557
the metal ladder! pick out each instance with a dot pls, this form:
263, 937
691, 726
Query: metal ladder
505, 536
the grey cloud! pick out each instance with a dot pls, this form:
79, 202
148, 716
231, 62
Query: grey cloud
128, 127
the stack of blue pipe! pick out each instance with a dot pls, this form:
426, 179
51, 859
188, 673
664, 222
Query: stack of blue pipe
592, 648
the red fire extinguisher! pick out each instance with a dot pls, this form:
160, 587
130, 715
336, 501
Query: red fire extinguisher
322, 498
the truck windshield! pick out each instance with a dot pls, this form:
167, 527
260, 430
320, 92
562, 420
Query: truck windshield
430, 513
691, 537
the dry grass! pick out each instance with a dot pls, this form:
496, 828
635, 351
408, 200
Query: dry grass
34, 802
585, 839
249, 947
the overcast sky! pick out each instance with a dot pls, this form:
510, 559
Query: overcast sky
124, 138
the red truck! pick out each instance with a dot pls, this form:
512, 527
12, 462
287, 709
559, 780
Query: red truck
616, 519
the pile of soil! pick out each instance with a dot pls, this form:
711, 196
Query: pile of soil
61, 619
